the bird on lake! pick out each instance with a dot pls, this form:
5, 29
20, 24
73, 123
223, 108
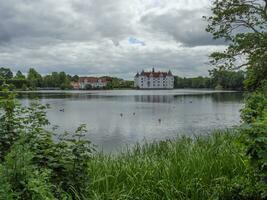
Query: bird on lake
62, 110
121, 114
159, 120
134, 113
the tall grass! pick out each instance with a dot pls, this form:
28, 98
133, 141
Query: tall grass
205, 167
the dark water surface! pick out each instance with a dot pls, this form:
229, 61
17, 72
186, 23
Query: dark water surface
119, 117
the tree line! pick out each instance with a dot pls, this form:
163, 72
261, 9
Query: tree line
218, 79
59, 80
34, 80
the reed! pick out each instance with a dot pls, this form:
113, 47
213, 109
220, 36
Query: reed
204, 167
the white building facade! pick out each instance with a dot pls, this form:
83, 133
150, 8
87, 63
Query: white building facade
154, 80
94, 82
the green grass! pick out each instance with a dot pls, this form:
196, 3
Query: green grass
206, 167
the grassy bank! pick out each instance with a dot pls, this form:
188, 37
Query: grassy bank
207, 167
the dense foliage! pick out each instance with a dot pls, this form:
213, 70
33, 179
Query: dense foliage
227, 79
35, 165
5, 73
243, 23
196, 82
34, 80
55, 80
117, 83
219, 79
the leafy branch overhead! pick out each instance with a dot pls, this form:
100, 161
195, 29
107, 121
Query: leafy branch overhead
242, 23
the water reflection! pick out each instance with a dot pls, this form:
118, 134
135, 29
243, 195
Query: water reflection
117, 118
154, 98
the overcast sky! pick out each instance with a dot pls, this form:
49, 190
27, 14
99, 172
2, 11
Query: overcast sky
106, 37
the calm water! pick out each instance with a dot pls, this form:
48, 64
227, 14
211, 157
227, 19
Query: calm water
181, 112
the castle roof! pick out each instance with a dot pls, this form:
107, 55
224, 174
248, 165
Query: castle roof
137, 75
169, 73
155, 74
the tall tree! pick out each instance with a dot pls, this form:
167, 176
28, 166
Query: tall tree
5, 73
34, 78
226, 79
243, 23
19, 75
75, 78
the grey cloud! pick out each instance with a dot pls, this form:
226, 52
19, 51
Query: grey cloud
110, 60
111, 18
73, 21
90, 37
185, 26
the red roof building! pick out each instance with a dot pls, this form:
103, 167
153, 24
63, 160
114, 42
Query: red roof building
94, 82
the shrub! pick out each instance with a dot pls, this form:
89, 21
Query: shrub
255, 105
256, 142
34, 165
254, 131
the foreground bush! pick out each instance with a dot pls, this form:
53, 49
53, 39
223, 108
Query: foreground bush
35, 165
255, 133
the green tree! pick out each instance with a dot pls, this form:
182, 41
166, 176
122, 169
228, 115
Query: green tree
227, 79
62, 77
55, 79
34, 78
243, 23
5, 73
35, 165
196, 82
47, 81
75, 78
19, 75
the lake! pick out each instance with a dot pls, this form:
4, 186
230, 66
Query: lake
117, 118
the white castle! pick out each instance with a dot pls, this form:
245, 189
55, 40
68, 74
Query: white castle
154, 80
